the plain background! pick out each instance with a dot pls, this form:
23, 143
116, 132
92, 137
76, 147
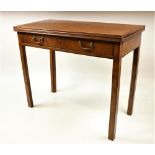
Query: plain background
79, 112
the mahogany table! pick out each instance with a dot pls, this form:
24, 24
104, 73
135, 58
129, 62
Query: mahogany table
104, 40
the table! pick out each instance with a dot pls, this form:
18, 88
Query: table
104, 40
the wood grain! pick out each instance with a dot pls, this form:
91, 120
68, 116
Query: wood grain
116, 72
136, 54
105, 40
71, 45
26, 75
131, 44
107, 31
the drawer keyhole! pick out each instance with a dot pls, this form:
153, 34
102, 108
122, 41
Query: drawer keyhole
60, 42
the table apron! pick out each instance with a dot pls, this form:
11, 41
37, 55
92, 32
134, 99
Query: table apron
88, 47
96, 48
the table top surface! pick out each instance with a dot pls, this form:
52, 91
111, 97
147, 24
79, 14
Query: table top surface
80, 28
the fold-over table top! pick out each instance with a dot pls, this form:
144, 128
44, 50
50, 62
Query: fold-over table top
82, 29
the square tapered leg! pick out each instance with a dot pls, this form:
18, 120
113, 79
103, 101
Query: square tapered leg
26, 75
114, 98
53, 70
133, 80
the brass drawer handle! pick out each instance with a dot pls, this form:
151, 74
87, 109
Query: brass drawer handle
90, 45
38, 40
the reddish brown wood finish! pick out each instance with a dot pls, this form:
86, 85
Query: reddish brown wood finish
71, 45
35, 40
53, 70
133, 80
105, 40
131, 44
116, 72
26, 75
78, 29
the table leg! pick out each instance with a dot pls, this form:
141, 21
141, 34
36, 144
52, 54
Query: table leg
133, 80
26, 75
114, 97
53, 70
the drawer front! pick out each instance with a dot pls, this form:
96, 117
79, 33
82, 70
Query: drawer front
35, 40
71, 45
85, 46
